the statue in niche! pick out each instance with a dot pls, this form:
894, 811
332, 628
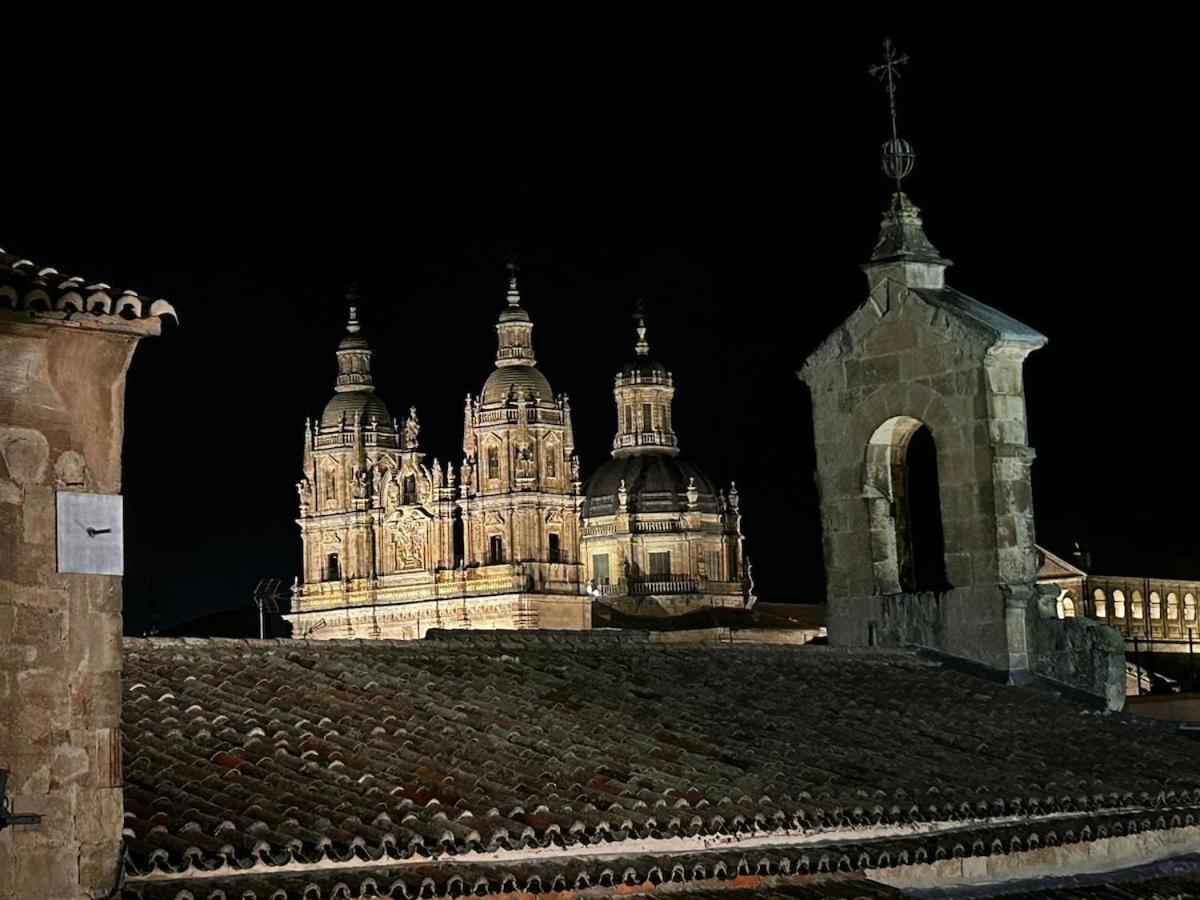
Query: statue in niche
412, 428
526, 468
360, 483
304, 489
574, 467
392, 490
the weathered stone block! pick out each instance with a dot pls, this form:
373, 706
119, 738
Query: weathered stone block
101, 811
98, 863
40, 525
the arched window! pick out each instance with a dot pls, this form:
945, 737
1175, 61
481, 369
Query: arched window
1098, 601
1155, 605
1172, 607
333, 569
628, 418
495, 549
555, 548
1137, 604
904, 505
410, 489
493, 461
1068, 606
552, 461
1189, 608
458, 537
1118, 604
330, 487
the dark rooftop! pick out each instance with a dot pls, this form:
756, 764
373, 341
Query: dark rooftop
550, 757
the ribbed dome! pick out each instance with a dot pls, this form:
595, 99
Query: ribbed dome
645, 367
654, 482
347, 403
524, 378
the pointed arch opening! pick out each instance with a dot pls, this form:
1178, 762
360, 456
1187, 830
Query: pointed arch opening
904, 508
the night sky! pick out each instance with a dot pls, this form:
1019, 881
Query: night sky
727, 173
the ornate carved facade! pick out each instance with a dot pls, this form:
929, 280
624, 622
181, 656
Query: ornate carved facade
394, 546
658, 537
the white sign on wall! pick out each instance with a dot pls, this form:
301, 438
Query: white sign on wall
91, 534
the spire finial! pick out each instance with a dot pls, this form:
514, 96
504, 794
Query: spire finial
352, 300
897, 153
514, 296
642, 347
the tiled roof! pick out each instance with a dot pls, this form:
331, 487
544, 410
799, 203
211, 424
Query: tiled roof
48, 294
539, 753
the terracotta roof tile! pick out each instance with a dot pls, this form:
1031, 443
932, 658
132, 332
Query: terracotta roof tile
244, 756
46, 293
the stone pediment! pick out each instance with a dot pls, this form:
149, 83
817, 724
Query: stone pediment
949, 314
1051, 565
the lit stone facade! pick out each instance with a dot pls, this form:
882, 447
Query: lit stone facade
658, 537
394, 546
923, 466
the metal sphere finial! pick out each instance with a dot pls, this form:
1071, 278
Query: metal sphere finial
897, 158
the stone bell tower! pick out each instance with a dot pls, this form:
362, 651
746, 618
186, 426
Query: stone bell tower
520, 481
923, 464
65, 346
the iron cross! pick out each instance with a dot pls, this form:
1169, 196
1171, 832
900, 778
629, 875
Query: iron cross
888, 71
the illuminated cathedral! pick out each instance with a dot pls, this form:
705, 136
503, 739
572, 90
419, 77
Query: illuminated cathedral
395, 544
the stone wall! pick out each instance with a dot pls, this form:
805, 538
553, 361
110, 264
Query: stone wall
61, 422
1080, 653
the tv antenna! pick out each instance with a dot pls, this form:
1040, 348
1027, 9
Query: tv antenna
266, 598
311, 628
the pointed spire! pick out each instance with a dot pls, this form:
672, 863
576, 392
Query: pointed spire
514, 328
353, 353
903, 254
514, 295
902, 235
642, 348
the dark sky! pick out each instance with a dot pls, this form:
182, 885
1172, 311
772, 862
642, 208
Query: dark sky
725, 171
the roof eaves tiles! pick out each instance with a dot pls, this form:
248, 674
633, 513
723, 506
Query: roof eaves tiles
256, 755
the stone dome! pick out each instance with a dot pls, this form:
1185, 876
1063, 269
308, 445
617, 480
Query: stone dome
654, 482
344, 404
523, 378
645, 368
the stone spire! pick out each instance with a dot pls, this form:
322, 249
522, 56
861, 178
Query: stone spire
903, 253
515, 330
353, 353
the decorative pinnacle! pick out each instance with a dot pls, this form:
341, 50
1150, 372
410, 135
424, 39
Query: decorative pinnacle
897, 155
514, 297
642, 348
352, 298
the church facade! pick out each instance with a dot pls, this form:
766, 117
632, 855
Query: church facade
395, 544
